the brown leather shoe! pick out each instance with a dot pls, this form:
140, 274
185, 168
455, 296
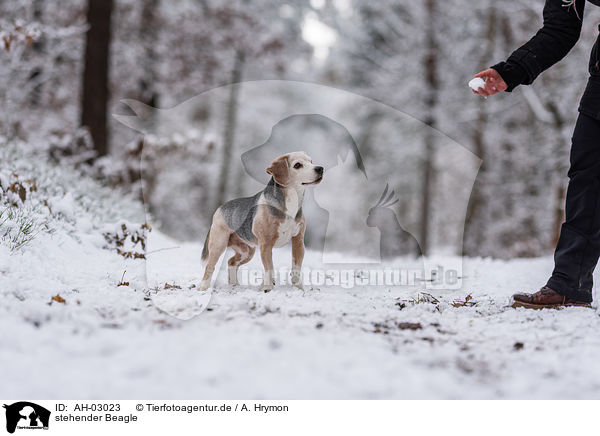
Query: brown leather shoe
545, 298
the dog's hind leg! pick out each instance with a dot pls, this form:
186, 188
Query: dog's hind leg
216, 244
243, 254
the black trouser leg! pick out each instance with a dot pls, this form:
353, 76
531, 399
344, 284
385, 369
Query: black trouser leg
578, 247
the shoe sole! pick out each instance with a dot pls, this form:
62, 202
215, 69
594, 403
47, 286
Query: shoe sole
549, 306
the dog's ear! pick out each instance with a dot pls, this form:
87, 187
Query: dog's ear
280, 170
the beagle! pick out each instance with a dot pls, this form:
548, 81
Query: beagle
271, 218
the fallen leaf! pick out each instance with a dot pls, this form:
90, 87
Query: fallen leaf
58, 299
409, 325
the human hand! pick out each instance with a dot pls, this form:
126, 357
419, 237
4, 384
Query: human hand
493, 83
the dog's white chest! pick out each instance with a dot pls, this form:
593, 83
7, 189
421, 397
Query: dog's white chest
288, 228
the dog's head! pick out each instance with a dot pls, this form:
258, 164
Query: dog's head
295, 169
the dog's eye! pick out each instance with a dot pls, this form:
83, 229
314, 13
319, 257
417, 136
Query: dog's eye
298, 165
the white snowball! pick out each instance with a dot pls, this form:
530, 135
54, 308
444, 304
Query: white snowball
476, 83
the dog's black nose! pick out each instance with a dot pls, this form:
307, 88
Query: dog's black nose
319, 170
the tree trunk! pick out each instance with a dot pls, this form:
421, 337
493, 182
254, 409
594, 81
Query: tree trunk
35, 92
430, 66
148, 33
473, 234
230, 126
95, 74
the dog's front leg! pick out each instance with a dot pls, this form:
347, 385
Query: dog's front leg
297, 257
266, 255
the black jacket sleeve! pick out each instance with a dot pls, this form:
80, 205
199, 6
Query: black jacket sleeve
561, 30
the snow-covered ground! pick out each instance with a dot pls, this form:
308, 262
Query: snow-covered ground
108, 338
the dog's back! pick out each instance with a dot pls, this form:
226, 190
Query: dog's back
239, 216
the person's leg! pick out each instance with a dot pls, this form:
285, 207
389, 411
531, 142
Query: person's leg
578, 247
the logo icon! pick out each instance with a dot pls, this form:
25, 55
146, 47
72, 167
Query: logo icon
26, 415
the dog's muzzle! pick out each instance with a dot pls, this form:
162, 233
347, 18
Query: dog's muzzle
319, 171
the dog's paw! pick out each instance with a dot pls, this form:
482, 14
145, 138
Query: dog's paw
232, 278
204, 285
296, 279
266, 288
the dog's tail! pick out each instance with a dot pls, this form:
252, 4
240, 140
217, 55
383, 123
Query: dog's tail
205, 248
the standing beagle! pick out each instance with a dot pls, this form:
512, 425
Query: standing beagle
271, 218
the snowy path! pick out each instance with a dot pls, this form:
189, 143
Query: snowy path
317, 343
